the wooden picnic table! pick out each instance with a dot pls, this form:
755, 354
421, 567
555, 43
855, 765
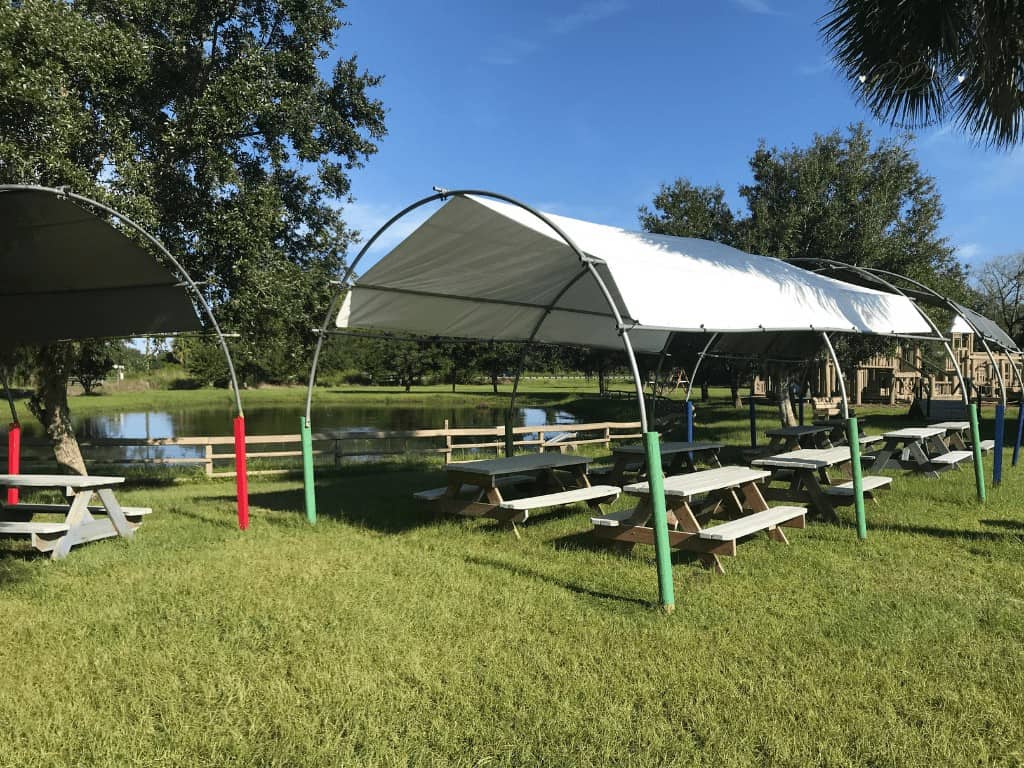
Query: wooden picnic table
837, 428
80, 523
913, 448
678, 454
734, 489
792, 438
537, 470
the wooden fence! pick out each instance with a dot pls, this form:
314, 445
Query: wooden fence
282, 453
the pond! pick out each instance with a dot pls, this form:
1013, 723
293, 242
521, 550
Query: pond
202, 422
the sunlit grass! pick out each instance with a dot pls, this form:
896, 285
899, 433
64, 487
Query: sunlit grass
386, 636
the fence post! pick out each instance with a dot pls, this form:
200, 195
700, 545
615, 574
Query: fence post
607, 436
208, 455
337, 453
447, 444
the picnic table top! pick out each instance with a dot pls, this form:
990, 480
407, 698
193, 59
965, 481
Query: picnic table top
702, 482
813, 429
806, 458
952, 426
668, 449
514, 464
914, 433
78, 482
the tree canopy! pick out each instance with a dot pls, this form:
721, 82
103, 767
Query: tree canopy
218, 125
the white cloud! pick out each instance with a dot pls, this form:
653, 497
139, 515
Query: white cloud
811, 70
757, 6
968, 251
515, 49
588, 13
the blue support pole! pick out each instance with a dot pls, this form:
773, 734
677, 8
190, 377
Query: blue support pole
997, 455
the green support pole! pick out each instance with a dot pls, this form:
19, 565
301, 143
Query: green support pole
979, 469
853, 433
662, 552
307, 470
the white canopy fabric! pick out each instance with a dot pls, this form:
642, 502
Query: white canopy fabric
483, 269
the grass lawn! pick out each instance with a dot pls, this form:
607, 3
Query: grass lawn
385, 636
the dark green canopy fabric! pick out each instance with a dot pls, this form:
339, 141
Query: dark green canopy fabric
66, 273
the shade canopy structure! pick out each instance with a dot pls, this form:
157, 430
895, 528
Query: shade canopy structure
68, 274
70, 271
484, 269
485, 266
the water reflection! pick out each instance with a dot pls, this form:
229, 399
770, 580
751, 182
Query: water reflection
198, 422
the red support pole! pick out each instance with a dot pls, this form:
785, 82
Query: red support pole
241, 478
13, 458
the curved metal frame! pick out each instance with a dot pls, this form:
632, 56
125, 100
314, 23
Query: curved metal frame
665, 588
66, 193
875, 276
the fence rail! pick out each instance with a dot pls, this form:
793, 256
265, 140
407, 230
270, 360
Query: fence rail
331, 447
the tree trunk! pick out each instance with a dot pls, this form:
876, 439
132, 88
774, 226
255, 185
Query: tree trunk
734, 389
494, 381
49, 404
786, 415
705, 393
602, 385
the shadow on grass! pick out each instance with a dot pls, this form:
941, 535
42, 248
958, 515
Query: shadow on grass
380, 502
1010, 525
529, 573
948, 533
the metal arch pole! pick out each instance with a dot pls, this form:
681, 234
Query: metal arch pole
241, 474
999, 427
509, 442
657, 373
853, 437
657, 495
689, 388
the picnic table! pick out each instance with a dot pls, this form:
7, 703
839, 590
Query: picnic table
837, 428
80, 523
956, 437
485, 480
673, 458
733, 489
921, 449
805, 471
792, 438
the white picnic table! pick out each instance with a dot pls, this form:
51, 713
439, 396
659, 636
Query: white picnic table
80, 522
806, 473
921, 449
730, 489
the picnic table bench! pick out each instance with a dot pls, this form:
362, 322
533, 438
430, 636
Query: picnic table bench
733, 489
80, 523
675, 456
957, 438
487, 478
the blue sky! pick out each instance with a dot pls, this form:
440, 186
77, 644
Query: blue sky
584, 107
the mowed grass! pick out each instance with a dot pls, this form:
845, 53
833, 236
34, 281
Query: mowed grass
387, 636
